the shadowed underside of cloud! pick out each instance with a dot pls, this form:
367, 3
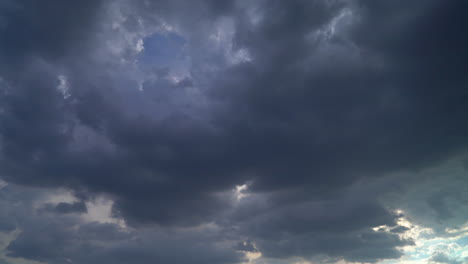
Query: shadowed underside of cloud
315, 107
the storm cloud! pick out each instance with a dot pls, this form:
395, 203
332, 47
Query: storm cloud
221, 130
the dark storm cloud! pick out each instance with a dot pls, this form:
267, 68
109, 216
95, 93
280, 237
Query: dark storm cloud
345, 116
333, 92
367, 246
338, 226
66, 208
436, 197
399, 229
55, 240
61, 238
50, 29
15, 206
440, 257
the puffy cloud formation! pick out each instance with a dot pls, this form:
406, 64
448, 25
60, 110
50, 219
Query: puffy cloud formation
235, 131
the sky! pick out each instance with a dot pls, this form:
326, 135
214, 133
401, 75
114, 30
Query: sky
233, 132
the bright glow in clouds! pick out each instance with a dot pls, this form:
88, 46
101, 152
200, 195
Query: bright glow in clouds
252, 256
428, 244
2, 184
63, 86
100, 210
240, 192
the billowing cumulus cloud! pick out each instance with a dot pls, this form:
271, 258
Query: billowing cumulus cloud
233, 131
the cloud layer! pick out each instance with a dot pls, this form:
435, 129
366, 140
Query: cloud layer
220, 129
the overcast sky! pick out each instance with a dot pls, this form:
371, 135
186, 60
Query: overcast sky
233, 132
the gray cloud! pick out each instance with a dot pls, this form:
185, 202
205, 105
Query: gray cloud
61, 238
440, 257
98, 243
331, 98
66, 208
